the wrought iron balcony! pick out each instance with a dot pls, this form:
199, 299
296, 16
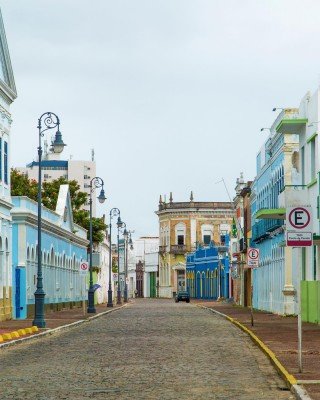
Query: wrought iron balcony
178, 249
263, 228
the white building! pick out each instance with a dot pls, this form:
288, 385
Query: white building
304, 123
7, 96
102, 251
53, 168
145, 254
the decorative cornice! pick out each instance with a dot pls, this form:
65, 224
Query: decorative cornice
25, 217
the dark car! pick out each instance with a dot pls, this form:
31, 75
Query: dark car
182, 296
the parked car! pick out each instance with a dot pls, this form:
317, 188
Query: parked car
182, 296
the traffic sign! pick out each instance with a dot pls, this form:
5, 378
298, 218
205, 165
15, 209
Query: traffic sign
84, 268
253, 257
299, 226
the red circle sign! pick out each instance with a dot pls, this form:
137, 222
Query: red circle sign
253, 254
84, 266
299, 218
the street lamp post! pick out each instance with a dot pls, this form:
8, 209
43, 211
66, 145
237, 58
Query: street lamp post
120, 224
127, 240
125, 237
47, 121
95, 183
113, 213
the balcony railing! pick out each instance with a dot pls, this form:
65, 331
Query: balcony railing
178, 249
263, 228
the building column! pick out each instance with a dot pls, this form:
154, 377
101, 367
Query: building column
289, 290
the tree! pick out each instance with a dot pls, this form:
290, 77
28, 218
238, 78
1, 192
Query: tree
22, 186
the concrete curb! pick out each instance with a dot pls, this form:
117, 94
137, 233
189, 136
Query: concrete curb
289, 379
57, 330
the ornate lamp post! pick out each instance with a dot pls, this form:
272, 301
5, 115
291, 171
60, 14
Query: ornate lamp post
113, 213
127, 240
95, 183
47, 121
120, 224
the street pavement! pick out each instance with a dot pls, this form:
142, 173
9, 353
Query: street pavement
152, 349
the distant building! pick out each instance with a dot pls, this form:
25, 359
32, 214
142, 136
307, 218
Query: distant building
208, 272
241, 274
53, 167
7, 96
143, 267
183, 226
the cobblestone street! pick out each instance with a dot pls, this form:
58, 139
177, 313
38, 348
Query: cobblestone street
153, 349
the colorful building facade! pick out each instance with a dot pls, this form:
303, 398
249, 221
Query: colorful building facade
182, 227
64, 247
275, 280
7, 96
207, 272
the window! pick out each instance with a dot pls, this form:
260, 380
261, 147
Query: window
180, 233
5, 162
207, 232
313, 159
206, 239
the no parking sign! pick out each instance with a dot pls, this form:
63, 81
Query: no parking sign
299, 226
253, 257
84, 268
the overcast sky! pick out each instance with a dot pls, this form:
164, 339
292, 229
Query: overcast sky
170, 94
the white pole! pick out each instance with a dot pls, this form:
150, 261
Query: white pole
299, 310
83, 291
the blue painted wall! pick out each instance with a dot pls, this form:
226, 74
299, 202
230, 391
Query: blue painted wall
62, 252
207, 272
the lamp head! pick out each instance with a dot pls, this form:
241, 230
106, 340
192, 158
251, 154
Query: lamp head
119, 222
102, 197
58, 145
125, 233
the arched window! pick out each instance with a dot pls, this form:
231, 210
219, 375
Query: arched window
180, 231
206, 233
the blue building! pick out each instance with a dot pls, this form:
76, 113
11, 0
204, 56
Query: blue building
207, 272
275, 280
64, 246
7, 96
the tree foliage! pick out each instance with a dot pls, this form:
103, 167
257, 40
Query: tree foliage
21, 185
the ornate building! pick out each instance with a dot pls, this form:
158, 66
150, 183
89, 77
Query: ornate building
7, 96
182, 226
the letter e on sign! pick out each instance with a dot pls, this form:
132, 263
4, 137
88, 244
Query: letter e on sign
299, 219
253, 257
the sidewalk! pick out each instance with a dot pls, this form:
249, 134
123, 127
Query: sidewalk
281, 336
53, 319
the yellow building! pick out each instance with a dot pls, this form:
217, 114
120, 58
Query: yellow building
183, 225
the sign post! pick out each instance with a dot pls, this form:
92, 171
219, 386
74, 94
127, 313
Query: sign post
299, 234
83, 271
253, 256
